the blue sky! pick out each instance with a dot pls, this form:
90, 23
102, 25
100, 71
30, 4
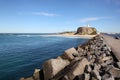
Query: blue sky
45, 16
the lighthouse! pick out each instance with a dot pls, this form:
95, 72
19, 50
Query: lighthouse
87, 25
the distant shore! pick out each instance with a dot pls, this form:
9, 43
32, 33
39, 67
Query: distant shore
72, 35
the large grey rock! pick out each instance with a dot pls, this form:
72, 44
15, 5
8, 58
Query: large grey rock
79, 69
64, 78
53, 66
107, 76
30, 78
70, 54
97, 67
88, 69
109, 49
105, 59
84, 76
96, 74
118, 63
89, 57
93, 78
36, 74
80, 50
79, 77
115, 72
108, 53
67, 69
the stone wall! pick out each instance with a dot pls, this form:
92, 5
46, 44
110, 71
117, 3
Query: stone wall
93, 60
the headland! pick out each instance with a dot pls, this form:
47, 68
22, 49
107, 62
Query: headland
82, 32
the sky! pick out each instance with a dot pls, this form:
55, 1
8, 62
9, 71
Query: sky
49, 16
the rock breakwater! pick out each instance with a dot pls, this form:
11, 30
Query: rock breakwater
93, 60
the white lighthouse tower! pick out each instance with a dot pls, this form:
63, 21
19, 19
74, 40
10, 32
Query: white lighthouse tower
87, 25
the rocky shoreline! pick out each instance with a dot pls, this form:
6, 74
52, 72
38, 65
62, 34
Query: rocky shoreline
93, 60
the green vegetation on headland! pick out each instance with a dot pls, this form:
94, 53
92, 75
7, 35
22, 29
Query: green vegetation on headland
68, 32
82, 31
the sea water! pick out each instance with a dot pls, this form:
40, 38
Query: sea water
21, 54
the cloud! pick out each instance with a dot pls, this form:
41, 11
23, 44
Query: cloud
44, 14
39, 14
83, 20
88, 19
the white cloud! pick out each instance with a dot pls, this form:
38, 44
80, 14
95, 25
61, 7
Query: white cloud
88, 19
38, 14
45, 14
83, 20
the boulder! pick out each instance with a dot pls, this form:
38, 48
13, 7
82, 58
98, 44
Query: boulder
30, 78
107, 76
78, 69
86, 31
62, 74
36, 74
118, 63
53, 66
105, 59
79, 77
115, 72
88, 69
84, 76
80, 50
97, 67
89, 57
93, 78
96, 74
64, 78
70, 54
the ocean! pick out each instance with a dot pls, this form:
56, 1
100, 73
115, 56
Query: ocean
20, 54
